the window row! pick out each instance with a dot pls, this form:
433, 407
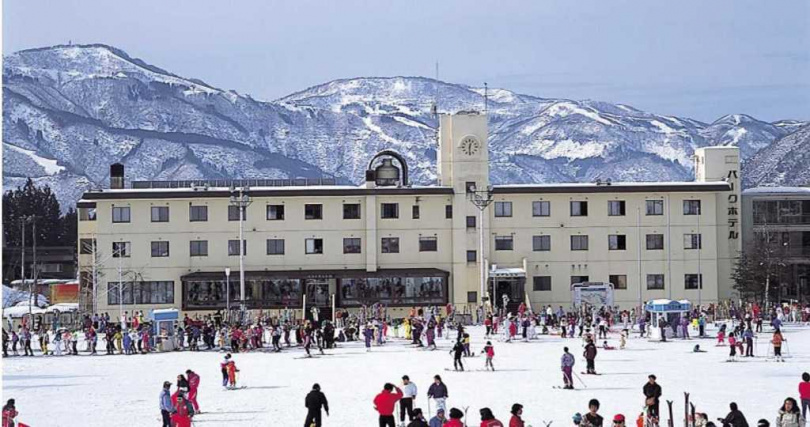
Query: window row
619, 281
198, 248
616, 242
312, 211
160, 292
580, 208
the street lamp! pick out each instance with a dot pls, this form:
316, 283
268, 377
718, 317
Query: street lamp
227, 293
481, 199
241, 199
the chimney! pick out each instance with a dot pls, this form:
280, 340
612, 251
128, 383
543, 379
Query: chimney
116, 176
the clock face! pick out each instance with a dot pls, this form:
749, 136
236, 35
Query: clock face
470, 146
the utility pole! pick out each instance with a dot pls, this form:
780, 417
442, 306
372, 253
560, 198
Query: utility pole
481, 199
32, 287
242, 201
638, 249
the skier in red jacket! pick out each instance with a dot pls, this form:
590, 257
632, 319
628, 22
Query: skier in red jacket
384, 404
193, 385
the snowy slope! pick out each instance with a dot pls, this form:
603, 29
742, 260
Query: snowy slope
785, 162
106, 390
71, 111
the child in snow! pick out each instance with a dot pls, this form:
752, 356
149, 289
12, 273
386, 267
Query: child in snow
623, 339
732, 342
721, 336
466, 343
458, 351
490, 352
232, 373
223, 367
605, 346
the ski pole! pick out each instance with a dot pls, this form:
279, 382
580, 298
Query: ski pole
580, 379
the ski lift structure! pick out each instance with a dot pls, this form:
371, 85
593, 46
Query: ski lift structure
669, 311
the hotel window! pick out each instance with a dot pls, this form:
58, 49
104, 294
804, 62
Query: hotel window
313, 211
472, 297
233, 247
692, 241
275, 212
448, 211
472, 256
619, 281
503, 209
141, 293
691, 207
579, 208
655, 207
87, 214
160, 249
121, 249
120, 214
615, 207
655, 281
579, 243
86, 246
541, 243
233, 213
197, 213
541, 283
471, 222
198, 248
160, 214
389, 210
692, 281
275, 246
313, 246
415, 212
504, 243
579, 279
655, 242
541, 208
351, 211
428, 244
617, 242
389, 245
351, 245
469, 186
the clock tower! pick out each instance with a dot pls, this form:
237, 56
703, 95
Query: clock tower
463, 153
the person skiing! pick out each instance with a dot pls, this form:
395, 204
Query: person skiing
193, 386
804, 393
489, 350
590, 357
314, 401
166, 407
517, 412
488, 419
458, 351
567, 365
419, 419
592, 419
789, 415
438, 392
735, 418
368, 334
384, 404
732, 343
748, 336
455, 418
777, 340
652, 394
406, 403
231, 366
223, 366
439, 420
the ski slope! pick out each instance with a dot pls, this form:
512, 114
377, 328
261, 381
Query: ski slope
123, 390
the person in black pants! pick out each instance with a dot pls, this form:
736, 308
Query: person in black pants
652, 392
409, 392
458, 351
314, 401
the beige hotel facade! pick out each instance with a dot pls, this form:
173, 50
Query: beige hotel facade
404, 245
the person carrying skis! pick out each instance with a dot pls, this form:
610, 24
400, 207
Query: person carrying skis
517, 412
590, 357
652, 394
193, 386
314, 401
409, 392
384, 404
567, 365
488, 419
490, 352
438, 392
458, 351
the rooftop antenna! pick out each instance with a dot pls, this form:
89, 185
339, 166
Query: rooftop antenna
486, 98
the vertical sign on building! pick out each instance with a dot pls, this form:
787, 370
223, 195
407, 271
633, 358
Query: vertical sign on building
733, 206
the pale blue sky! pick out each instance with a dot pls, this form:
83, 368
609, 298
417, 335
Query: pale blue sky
696, 58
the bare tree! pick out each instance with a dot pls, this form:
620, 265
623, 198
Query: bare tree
761, 263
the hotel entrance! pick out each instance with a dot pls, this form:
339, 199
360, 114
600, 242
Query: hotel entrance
507, 288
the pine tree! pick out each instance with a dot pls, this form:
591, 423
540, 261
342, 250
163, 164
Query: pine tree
31, 203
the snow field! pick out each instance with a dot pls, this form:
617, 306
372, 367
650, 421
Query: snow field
123, 390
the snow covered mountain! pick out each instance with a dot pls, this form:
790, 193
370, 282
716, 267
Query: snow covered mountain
785, 162
70, 111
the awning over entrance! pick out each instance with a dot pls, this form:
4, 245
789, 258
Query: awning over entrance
507, 272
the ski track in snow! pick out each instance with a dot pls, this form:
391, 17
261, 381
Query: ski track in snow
118, 390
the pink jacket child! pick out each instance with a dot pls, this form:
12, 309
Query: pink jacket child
721, 337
